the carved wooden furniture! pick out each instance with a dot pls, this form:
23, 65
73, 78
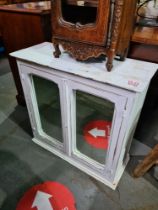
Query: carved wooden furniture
144, 44
4, 2
25, 24
150, 160
90, 28
80, 112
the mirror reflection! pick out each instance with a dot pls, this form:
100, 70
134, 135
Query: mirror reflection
48, 101
94, 117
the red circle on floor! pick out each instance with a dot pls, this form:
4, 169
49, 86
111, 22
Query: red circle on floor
47, 196
97, 133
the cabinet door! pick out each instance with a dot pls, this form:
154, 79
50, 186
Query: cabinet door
43, 92
96, 118
48, 102
84, 21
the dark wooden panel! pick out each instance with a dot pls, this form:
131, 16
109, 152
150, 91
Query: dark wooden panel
143, 52
5, 2
21, 30
146, 35
144, 44
24, 27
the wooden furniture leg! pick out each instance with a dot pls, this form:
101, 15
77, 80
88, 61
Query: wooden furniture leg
150, 160
57, 51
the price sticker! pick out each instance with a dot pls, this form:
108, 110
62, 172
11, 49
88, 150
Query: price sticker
80, 3
133, 83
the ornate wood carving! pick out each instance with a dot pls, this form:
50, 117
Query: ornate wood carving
118, 7
107, 35
90, 33
79, 51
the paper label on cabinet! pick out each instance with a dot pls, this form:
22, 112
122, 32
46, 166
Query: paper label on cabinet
80, 3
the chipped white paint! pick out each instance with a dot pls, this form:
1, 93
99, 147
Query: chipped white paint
130, 74
125, 86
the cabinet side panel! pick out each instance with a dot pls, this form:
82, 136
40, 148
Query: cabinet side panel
132, 122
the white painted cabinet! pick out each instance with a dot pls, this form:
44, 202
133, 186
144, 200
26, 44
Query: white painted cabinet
80, 112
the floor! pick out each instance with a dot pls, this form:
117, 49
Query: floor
24, 164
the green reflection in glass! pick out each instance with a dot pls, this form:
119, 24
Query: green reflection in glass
48, 100
90, 108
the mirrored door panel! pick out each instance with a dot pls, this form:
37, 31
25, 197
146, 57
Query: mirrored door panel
94, 117
48, 102
79, 12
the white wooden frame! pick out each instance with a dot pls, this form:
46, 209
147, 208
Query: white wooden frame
30, 91
128, 81
123, 100
117, 121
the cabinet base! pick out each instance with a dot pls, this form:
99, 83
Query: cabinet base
80, 166
83, 52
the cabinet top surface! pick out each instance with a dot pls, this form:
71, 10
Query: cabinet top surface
131, 74
30, 7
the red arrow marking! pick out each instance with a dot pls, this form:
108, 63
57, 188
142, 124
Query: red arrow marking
97, 133
47, 196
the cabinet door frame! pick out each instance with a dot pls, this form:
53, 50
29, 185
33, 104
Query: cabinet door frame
26, 73
66, 83
120, 103
76, 32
